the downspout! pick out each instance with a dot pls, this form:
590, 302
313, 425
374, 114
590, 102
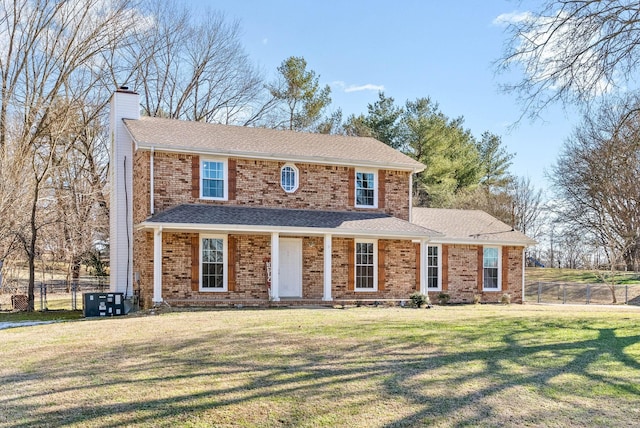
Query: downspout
410, 197
152, 190
523, 266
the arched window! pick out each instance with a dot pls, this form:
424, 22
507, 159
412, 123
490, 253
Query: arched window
289, 178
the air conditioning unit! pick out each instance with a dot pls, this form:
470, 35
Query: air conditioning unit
102, 304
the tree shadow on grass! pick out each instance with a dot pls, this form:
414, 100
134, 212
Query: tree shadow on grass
225, 372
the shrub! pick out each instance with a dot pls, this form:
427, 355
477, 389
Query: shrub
443, 298
477, 298
419, 299
506, 299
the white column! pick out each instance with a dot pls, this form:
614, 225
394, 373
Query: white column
524, 263
423, 265
326, 295
275, 266
157, 265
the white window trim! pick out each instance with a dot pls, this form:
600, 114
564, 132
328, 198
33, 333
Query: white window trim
499, 288
439, 266
225, 263
225, 178
297, 181
375, 187
375, 265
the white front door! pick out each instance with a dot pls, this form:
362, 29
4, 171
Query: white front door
290, 256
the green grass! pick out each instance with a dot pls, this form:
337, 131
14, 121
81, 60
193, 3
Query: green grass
576, 276
484, 365
51, 315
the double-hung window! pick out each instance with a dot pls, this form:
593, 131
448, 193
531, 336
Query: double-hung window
213, 262
366, 263
366, 189
433, 268
213, 179
491, 269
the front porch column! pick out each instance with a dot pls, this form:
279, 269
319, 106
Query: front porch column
275, 266
157, 265
326, 295
424, 253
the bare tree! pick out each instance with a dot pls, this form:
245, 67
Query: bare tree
596, 176
51, 61
571, 51
527, 207
194, 68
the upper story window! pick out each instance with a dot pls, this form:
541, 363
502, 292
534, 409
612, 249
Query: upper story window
289, 178
366, 265
213, 179
366, 189
433, 268
491, 269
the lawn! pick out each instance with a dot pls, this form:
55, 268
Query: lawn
577, 276
485, 365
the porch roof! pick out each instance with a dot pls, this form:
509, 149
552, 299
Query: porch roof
292, 221
469, 227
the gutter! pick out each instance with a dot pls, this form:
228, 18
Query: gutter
193, 227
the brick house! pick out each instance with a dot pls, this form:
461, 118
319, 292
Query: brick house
207, 214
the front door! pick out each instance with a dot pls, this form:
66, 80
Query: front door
290, 267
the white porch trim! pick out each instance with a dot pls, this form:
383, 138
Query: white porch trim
326, 294
275, 266
157, 265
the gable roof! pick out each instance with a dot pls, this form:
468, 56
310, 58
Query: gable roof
262, 143
257, 219
468, 227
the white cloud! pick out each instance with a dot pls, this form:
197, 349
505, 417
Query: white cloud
511, 18
338, 83
366, 87
265, 41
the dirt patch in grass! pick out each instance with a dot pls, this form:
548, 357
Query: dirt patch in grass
485, 365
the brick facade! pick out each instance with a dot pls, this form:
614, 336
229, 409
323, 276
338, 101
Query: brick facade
322, 187
257, 183
462, 282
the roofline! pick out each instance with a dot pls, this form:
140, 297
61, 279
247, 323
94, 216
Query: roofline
275, 157
470, 241
282, 229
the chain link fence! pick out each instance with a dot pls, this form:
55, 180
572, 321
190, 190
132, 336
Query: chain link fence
574, 293
50, 295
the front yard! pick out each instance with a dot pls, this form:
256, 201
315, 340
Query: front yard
487, 365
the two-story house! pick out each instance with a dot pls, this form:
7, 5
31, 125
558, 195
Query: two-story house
207, 214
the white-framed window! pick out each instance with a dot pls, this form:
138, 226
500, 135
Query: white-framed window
366, 189
434, 263
491, 272
289, 178
366, 265
213, 179
213, 263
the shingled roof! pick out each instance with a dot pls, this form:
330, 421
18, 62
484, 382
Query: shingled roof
265, 220
468, 226
263, 143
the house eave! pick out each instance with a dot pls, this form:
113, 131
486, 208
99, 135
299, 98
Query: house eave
285, 230
471, 241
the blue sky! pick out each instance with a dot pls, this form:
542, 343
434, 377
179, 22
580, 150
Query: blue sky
410, 49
